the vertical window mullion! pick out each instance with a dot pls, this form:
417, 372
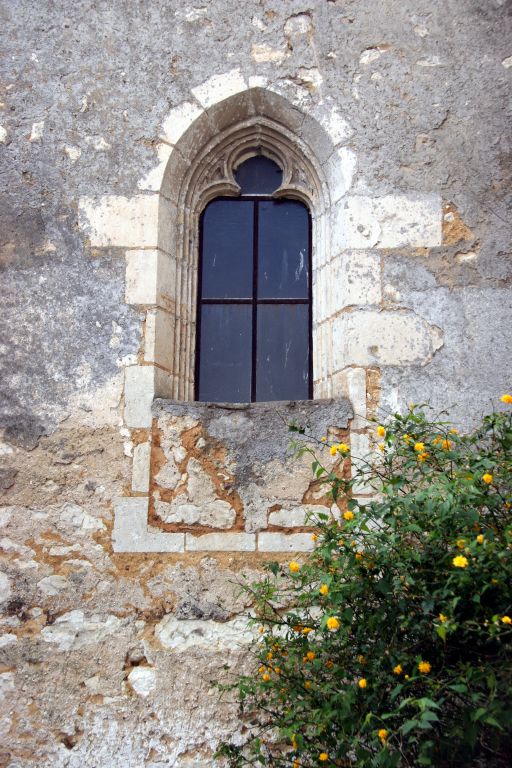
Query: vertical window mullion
254, 299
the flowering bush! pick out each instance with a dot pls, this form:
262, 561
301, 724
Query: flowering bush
391, 644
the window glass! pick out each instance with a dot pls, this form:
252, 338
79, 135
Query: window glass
227, 252
283, 250
225, 351
282, 353
258, 176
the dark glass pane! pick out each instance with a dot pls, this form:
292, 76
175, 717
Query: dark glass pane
283, 250
227, 254
258, 176
282, 352
225, 353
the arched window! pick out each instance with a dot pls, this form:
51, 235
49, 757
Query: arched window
254, 293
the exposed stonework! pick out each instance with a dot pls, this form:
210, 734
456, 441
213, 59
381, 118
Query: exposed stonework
398, 116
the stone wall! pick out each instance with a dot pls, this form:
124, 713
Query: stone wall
399, 112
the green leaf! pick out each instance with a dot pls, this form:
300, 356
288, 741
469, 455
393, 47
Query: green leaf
408, 726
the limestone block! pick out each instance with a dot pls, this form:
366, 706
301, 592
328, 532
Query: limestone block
130, 522
76, 517
73, 630
334, 124
7, 684
390, 221
285, 542
219, 87
351, 383
182, 635
132, 534
5, 588
166, 281
322, 350
139, 390
299, 516
140, 467
126, 222
361, 456
353, 278
215, 514
368, 337
169, 475
159, 338
152, 181
221, 542
340, 169
142, 680
52, 585
158, 541
141, 277
179, 120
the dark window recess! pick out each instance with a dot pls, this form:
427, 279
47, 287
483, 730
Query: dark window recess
258, 176
254, 302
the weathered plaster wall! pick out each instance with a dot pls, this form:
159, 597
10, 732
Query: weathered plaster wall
105, 658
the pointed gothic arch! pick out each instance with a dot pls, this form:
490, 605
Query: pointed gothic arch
201, 167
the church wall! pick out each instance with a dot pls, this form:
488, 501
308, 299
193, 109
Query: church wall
108, 645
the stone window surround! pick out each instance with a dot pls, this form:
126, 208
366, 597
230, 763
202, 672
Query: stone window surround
201, 143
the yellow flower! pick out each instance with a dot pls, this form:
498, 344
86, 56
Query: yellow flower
480, 538
461, 543
343, 448
323, 439
333, 450
487, 478
348, 515
460, 561
294, 567
419, 447
261, 670
359, 555
361, 659
506, 620
296, 764
398, 669
269, 655
454, 431
383, 735
311, 655
446, 445
407, 438
323, 756
424, 667
324, 589
307, 685
265, 677
381, 431
333, 623
306, 630
261, 630
362, 683
329, 664
277, 670
381, 447
314, 537
506, 399
422, 456
443, 618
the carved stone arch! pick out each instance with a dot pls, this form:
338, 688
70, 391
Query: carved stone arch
201, 167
